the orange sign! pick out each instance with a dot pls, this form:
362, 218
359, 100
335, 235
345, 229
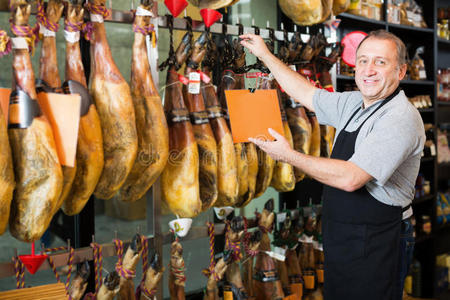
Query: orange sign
63, 112
252, 114
4, 102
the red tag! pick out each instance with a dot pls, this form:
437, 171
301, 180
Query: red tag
330, 88
183, 79
305, 72
253, 74
205, 78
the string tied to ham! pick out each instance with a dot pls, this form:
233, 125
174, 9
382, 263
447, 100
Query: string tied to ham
19, 270
146, 30
171, 59
98, 265
246, 240
212, 264
5, 43
28, 33
128, 274
69, 264
98, 10
179, 273
43, 20
234, 247
87, 29
73, 27
141, 289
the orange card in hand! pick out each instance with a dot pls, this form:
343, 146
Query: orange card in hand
4, 102
252, 114
63, 113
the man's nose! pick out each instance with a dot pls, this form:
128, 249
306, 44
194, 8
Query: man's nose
370, 69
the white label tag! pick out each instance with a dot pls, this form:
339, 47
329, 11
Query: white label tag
433, 150
143, 12
422, 74
96, 18
19, 43
306, 239
72, 37
275, 255
45, 32
280, 251
194, 83
281, 217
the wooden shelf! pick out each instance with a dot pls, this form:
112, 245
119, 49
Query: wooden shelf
357, 18
443, 41
412, 28
424, 110
423, 199
427, 158
443, 103
345, 77
418, 82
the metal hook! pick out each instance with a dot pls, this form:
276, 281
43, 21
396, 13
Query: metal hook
115, 234
132, 4
138, 229
68, 244
282, 26
93, 238
110, 4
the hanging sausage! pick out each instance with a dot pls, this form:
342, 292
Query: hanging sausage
36, 165
179, 181
207, 147
227, 180
89, 156
114, 104
151, 124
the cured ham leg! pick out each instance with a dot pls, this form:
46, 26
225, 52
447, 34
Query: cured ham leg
176, 276
152, 278
36, 165
253, 240
110, 287
79, 283
180, 185
128, 265
207, 147
212, 291
315, 135
151, 124
266, 283
112, 97
89, 157
227, 181
7, 182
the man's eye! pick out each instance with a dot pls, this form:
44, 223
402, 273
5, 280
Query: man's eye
362, 61
380, 62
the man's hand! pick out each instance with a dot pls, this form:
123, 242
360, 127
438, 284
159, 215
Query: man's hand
255, 44
279, 149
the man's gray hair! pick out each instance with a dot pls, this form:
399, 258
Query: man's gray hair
384, 35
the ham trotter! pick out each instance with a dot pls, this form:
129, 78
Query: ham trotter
7, 182
227, 181
153, 276
79, 283
180, 184
89, 157
48, 69
110, 287
112, 98
314, 149
36, 165
207, 147
212, 291
126, 266
151, 125
177, 278
266, 283
251, 246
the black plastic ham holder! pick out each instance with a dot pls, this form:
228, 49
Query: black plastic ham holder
175, 6
34, 261
351, 42
210, 16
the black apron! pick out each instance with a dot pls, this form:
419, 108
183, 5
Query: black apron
360, 235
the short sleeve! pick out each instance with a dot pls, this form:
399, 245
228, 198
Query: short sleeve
330, 106
390, 142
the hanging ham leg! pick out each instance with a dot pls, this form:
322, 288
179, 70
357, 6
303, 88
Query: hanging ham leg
7, 182
36, 164
253, 240
212, 291
110, 287
79, 283
112, 97
266, 283
266, 163
151, 124
89, 157
180, 185
130, 261
207, 147
227, 181
152, 278
176, 276
315, 135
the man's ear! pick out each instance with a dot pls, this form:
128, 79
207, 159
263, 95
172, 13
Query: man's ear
402, 71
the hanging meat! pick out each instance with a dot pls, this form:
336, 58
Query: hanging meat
314, 149
207, 147
89, 156
48, 71
266, 163
151, 124
246, 193
281, 240
292, 263
233, 235
126, 266
110, 287
7, 182
180, 184
266, 283
227, 180
327, 6
114, 104
283, 179
251, 246
152, 278
177, 278
340, 6
302, 12
79, 283
212, 291
36, 165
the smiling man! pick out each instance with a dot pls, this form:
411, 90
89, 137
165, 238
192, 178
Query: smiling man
370, 177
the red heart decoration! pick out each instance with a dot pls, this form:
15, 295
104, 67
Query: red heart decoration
210, 16
175, 6
351, 42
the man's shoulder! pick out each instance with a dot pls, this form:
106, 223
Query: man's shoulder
402, 113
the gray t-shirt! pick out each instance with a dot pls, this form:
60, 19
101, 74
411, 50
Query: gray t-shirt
389, 145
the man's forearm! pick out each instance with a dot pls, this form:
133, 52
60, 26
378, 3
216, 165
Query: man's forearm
337, 173
294, 84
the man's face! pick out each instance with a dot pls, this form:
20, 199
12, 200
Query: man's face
377, 73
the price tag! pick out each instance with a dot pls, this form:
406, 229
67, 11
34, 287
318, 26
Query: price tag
422, 74
433, 150
276, 256
281, 217
194, 83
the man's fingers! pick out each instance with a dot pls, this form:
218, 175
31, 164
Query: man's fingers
275, 134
